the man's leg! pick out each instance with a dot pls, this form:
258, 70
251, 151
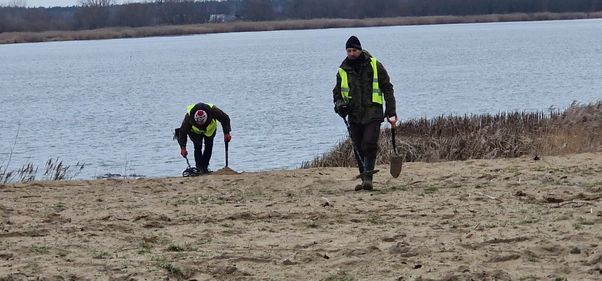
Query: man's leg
357, 135
197, 140
207, 153
370, 149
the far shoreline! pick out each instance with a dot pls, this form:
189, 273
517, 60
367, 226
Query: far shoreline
242, 26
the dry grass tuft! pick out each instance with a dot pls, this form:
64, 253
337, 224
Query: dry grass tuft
504, 135
53, 170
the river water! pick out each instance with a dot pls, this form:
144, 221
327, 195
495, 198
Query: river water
113, 104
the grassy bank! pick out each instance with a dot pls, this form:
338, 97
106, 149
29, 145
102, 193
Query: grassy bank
575, 130
173, 30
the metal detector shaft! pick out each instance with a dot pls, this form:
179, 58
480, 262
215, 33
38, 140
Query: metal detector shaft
187, 162
355, 151
357, 155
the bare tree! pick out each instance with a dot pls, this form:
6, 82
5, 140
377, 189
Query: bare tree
15, 3
259, 10
93, 13
135, 14
96, 3
171, 1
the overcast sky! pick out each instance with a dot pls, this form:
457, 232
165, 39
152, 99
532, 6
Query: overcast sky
53, 3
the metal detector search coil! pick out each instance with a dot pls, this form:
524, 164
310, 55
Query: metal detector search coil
190, 172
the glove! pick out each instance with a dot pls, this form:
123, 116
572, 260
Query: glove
342, 109
390, 114
183, 152
227, 138
392, 120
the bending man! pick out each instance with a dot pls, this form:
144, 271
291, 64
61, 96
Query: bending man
200, 124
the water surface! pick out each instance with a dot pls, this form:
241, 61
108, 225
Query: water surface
113, 104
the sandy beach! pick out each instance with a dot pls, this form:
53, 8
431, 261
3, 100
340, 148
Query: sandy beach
502, 219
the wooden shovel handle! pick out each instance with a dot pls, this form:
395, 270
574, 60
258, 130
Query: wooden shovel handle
226, 150
393, 122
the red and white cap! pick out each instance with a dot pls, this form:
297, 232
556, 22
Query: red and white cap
200, 117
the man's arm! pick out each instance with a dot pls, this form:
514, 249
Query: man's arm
223, 118
184, 130
386, 87
336, 92
340, 106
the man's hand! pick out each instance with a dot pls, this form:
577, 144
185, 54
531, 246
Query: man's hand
392, 120
227, 138
390, 114
184, 152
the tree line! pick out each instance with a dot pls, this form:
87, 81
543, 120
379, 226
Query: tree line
91, 14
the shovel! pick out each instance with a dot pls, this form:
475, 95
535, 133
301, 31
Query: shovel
396, 161
356, 153
226, 143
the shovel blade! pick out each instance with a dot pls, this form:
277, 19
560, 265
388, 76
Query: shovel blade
396, 163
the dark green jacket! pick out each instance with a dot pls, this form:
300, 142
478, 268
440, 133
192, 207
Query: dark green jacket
212, 113
361, 108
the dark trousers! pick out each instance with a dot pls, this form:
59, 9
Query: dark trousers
365, 138
201, 158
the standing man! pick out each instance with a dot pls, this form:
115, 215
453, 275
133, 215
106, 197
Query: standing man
362, 87
200, 124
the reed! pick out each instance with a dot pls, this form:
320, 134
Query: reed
54, 169
577, 129
242, 26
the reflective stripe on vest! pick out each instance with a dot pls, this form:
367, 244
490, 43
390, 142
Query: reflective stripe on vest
377, 95
210, 130
344, 85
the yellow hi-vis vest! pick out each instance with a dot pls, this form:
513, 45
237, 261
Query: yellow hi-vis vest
377, 95
210, 130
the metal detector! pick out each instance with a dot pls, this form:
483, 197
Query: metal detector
357, 155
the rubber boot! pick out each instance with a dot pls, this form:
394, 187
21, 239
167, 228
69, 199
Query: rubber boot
204, 170
367, 180
360, 186
367, 183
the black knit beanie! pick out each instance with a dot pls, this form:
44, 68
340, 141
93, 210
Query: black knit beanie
353, 42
